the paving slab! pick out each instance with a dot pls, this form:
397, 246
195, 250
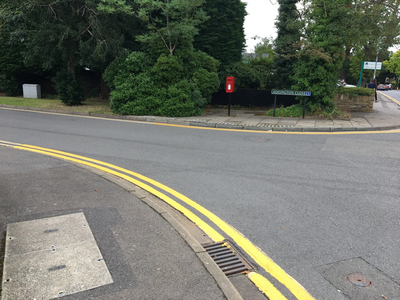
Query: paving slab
52, 257
305, 123
288, 121
360, 122
323, 123
342, 123
253, 121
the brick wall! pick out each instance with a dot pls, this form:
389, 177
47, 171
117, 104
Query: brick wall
354, 103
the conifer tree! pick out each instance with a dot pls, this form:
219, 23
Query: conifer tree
287, 41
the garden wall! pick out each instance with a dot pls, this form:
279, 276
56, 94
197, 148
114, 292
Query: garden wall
354, 103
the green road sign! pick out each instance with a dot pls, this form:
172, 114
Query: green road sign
291, 93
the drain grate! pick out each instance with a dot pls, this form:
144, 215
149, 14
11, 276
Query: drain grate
227, 258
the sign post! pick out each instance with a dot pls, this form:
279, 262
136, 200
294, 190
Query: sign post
230, 88
292, 93
369, 65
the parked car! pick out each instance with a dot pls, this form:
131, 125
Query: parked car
383, 87
344, 84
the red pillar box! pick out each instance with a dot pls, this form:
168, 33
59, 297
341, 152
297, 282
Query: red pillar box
230, 84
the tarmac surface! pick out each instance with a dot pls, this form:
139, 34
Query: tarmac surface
150, 250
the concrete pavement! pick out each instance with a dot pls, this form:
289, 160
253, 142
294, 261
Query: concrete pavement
386, 116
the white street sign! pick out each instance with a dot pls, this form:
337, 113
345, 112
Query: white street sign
370, 65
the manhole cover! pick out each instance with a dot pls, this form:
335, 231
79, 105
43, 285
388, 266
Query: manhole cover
359, 280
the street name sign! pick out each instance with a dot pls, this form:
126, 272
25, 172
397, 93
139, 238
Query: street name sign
370, 65
291, 93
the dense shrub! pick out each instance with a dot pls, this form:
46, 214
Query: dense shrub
173, 86
10, 86
69, 90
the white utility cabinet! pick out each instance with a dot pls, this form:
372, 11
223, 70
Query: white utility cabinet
32, 91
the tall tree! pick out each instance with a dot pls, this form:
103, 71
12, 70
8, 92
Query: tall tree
321, 55
169, 77
287, 42
68, 34
374, 27
172, 24
222, 35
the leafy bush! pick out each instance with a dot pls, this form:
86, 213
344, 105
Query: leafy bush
354, 91
252, 73
10, 86
173, 86
70, 91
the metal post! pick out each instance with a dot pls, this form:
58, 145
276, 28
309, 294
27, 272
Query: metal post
361, 73
376, 62
304, 108
274, 105
229, 106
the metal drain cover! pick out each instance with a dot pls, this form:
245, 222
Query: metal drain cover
227, 258
359, 280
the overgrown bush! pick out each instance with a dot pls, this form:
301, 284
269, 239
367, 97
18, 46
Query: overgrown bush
10, 86
173, 86
250, 73
69, 90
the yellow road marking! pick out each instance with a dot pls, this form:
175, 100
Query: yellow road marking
281, 132
212, 233
390, 98
260, 258
264, 285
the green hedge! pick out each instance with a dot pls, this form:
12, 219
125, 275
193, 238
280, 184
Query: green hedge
354, 91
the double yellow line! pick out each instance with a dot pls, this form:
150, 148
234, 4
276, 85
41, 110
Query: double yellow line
254, 252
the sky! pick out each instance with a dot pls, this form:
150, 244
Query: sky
260, 20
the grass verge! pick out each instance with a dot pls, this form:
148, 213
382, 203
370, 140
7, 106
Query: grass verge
89, 106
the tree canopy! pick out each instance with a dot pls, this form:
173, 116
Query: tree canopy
393, 64
287, 42
320, 41
169, 77
222, 34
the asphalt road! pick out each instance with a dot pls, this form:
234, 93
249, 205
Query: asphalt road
393, 93
321, 206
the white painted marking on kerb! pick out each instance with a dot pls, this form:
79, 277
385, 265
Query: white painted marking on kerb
52, 257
